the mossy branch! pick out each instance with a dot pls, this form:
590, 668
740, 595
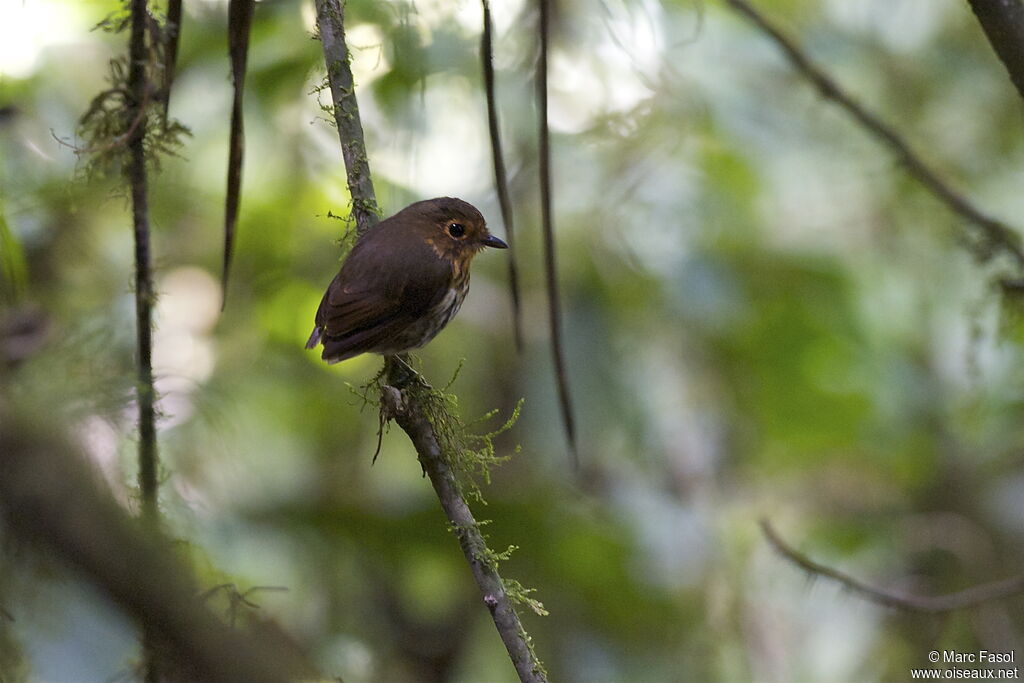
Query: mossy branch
331, 25
138, 94
126, 129
403, 400
409, 403
132, 112
138, 88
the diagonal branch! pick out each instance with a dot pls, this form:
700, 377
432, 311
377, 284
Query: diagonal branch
404, 405
970, 597
50, 499
500, 177
547, 223
996, 234
412, 418
1003, 24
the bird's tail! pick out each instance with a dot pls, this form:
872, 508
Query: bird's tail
314, 338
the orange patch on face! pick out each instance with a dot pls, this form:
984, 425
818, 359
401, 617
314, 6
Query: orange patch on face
443, 247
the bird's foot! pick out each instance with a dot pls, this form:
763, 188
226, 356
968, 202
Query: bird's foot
400, 374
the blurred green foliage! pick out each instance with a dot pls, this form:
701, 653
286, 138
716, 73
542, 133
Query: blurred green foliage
765, 317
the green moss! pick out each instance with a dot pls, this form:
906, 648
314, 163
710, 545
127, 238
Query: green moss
539, 665
520, 595
113, 119
470, 456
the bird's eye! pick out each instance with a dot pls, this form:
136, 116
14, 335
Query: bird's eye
456, 229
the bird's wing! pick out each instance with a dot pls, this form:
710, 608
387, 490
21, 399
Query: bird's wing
377, 293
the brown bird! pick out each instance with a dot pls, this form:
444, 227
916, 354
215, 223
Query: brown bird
404, 280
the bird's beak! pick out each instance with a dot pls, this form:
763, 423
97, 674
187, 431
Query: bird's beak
492, 241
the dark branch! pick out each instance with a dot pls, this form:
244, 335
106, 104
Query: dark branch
239, 26
996, 234
330, 21
500, 177
173, 39
138, 91
970, 597
410, 416
404, 406
1003, 23
50, 498
138, 87
547, 223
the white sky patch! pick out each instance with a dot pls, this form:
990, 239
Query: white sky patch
452, 150
183, 356
634, 34
575, 93
616, 76
212, 4
308, 13
904, 26
28, 27
101, 442
369, 53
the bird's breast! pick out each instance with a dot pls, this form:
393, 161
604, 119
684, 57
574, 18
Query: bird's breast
441, 313
452, 301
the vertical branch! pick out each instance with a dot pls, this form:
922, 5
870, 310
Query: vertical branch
239, 24
406, 406
1003, 24
500, 178
554, 307
331, 24
138, 88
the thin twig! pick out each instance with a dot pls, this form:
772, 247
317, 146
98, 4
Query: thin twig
239, 25
329, 19
970, 597
238, 599
547, 223
1003, 24
996, 233
500, 177
406, 409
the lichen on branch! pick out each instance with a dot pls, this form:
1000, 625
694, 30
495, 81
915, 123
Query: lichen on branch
117, 114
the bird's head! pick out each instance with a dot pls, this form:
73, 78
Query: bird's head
455, 229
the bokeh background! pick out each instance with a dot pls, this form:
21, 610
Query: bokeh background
765, 317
